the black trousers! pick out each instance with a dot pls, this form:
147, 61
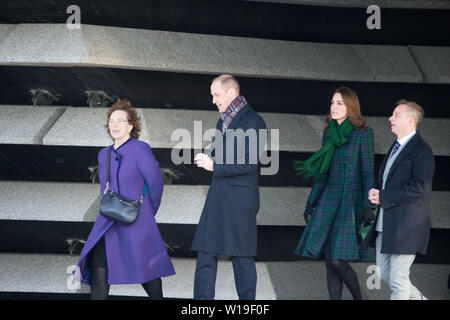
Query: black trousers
206, 272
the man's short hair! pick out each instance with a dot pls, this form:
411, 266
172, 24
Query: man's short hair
415, 110
227, 81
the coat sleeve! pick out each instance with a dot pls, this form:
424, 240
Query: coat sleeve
149, 169
319, 183
366, 156
420, 182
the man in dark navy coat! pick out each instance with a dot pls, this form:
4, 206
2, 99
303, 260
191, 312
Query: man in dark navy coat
403, 224
227, 225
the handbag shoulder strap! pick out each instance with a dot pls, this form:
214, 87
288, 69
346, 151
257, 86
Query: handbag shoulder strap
108, 161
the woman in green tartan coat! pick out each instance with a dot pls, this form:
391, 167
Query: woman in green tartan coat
338, 205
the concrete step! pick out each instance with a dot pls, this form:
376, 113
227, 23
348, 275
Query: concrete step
90, 46
410, 4
79, 202
162, 128
301, 280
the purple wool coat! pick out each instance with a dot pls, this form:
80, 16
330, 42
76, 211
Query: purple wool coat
134, 253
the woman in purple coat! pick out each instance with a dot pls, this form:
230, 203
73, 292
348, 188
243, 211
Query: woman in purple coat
115, 253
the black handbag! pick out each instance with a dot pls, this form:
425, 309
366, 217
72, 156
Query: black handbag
117, 207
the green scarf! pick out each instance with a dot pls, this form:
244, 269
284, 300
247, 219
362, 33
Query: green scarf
320, 161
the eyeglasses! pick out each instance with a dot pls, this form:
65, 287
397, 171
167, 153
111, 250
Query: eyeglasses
117, 121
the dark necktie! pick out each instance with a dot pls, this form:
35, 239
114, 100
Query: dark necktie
395, 148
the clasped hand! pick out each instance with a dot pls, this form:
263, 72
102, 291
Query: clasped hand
203, 161
374, 196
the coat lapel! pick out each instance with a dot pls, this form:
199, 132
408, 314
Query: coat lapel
383, 166
404, 153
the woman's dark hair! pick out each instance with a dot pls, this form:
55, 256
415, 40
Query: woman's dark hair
351, 101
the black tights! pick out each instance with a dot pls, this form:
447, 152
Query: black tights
339, 272
100, 288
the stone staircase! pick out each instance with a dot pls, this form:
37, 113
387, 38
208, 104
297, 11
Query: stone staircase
49, 194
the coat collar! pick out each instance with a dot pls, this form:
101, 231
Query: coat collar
219, 140
238, 117
121, 147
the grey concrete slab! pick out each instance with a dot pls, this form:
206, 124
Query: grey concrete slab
431, 129
42, 44
410, 4
162, 128
56, 45
419, 4
5, 30
26, 124
279, 206
46, 201
180, 204
46, 273
210, 54
307, 280
390, 63
180, 128
434, 62
167, 129
299, 280
82, 126
79, 126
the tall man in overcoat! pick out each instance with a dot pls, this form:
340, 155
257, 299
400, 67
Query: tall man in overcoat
403, 224
227, 225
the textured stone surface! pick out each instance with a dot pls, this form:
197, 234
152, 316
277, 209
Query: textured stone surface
56, 45
300, 280
431, 130
411, 4
80, 127
164, 128
390, 63
26, 124
52, 201
180, 204
434, 63
32, 44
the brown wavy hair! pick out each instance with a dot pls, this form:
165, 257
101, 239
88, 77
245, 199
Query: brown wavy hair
133, 119
351, 101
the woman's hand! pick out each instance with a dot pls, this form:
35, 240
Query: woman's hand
368, 216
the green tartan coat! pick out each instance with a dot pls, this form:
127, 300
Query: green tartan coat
338, 200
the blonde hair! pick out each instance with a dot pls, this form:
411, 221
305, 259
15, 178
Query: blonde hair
415, 110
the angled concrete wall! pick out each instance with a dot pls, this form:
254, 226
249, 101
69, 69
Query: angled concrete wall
180, 204
46, 273
411, 4
95, 46
80, 126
